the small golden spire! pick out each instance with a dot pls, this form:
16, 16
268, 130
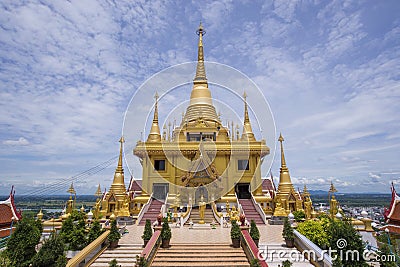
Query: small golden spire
71, 189
332, 189
98, 191
154, 135
247, 130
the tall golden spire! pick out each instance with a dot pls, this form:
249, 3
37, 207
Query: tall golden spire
283, 161
154, 135
118, 185
285, 183
200, 98
247, 130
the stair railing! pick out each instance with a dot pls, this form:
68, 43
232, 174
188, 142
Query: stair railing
150, 250
259, 209
144, 209
91, 252
186, 215
164, 209
241, 211
217, 215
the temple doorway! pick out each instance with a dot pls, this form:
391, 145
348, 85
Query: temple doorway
160, 191
243, 191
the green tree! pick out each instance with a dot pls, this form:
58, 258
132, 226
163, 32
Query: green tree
343, 236
66, 230
314, 231
50, 253
94, 232
4, 261
299, 215
384, 253
21, 245
73, 231
78, 237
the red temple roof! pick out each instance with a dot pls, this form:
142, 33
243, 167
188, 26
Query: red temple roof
268, 186
8, 213
392, 215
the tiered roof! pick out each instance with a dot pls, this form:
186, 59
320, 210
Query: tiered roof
8, 213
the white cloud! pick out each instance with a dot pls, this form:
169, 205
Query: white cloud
20, 142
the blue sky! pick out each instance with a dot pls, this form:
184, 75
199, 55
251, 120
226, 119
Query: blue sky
329, 70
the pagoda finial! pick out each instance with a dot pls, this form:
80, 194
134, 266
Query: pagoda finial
98, 191
118, 185
155, 135
200, 70
247, 130
283, 161
119, 167
332, 189
71, 189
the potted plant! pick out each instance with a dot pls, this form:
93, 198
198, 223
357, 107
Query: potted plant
113, 263
288, 234
235, 234
255, 263
114, 235
286, 263
140, 261
165, 234
147, 233
254, 232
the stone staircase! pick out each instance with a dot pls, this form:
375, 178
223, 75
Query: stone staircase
125, 254
277, 253
208, 255
152, 212
195, 216
250, 211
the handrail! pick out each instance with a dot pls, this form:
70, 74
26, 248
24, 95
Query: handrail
259, 209
217, 215
240, 208
78, 258
151, 248
163, 209
3, 241
144, 209
187, 214
303, 243
250, 248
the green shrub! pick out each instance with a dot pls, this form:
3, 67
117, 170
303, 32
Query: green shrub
165, 230
287, 230
114, 233
299, 215
314, 231
254, 232
235, 230
113, 263
148, 231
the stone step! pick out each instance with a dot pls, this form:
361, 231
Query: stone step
200, 264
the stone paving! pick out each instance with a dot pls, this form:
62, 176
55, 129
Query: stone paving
270, 237
269, 234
